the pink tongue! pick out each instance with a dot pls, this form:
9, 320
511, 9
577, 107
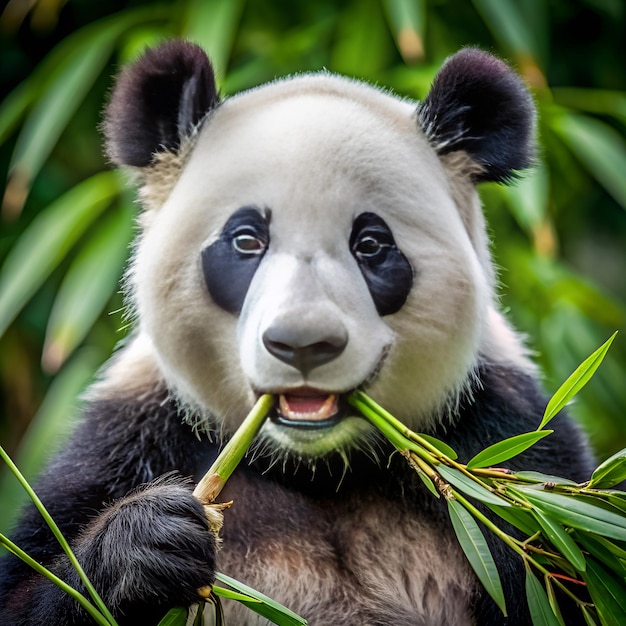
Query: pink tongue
304, 407
302, 404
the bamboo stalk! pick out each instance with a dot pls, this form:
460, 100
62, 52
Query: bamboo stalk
214, 480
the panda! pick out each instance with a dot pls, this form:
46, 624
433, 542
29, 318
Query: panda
306, 238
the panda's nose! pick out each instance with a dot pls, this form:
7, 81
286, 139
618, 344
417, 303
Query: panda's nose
305, 348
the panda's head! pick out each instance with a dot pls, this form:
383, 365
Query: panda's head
317, 235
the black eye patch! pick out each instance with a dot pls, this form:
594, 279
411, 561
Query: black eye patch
387, 272
230, 262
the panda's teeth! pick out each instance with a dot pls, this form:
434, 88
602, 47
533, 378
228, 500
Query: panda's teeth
313, 408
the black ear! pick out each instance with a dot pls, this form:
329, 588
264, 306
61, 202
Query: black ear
157, 101
479, 105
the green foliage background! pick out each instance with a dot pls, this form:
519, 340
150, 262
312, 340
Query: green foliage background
67, 220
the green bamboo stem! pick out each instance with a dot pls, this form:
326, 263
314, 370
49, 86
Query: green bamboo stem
79, 597
59, 537
404, 438
214, 480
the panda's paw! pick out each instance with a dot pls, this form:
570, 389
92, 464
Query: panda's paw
155, 546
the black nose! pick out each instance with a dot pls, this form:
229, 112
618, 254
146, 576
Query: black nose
303, 352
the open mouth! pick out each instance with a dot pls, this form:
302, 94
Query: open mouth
308, 408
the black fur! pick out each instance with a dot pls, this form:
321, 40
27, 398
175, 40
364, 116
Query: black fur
158, 101
478, 105
228, 271
121, 444
387, 272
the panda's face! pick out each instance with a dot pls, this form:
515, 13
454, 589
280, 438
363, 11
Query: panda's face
311, 246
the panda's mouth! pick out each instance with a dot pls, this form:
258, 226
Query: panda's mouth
307, 408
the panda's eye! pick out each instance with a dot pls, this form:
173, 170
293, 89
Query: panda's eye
248, 243
387, 272
369, 246
230, 262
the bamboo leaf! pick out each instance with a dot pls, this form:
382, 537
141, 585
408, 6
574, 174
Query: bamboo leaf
469, 486
14, 106
76, 595
48, 239
263, 605
429, 483
175, 617
58, 535
223, 592
78, 61
443, 447
610, 472
213, 25
575, 382
407, 20
607, 593
477, 551
600, 148
508, 24
517, 516
506, 449
573, 512
561, 540
87, 287
544, 478
540, 610
589, 618
47, 429
554, 604
603, 550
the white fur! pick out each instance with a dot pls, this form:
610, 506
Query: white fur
317, 151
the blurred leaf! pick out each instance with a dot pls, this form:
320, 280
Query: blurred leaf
540, 610
213, 24
49, 237
14, 106
362, 44
407, 19
469, 487
601, 149
561, 540
573, 512
607, 593
47, 430
600, 101
528, 198
477, 551
575, 382
508, 24
506, 449
79, 61
611, 472
87, 286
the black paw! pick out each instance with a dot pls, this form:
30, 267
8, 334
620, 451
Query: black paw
154, 547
